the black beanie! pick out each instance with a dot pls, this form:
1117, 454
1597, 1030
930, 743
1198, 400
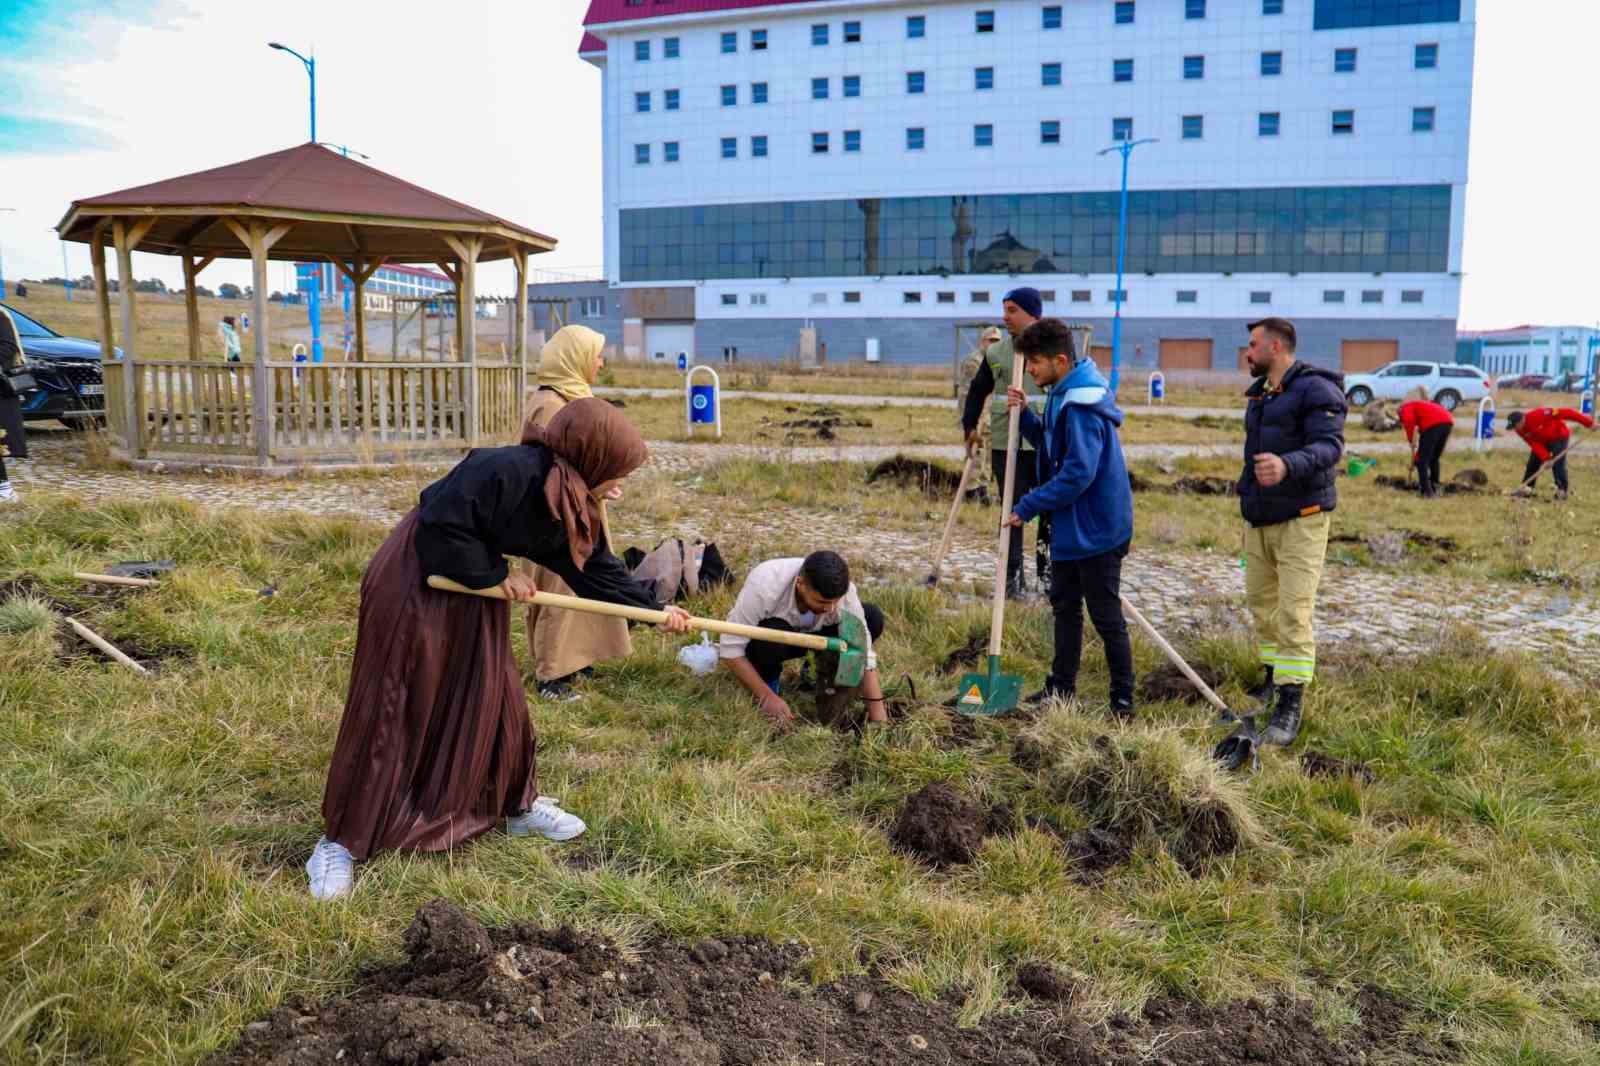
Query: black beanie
1028, 299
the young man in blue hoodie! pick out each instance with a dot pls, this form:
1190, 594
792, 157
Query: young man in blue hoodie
1083, 487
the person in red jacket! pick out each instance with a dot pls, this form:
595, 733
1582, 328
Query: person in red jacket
1545, 430
1427, 427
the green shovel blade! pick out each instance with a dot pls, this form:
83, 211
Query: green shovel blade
989, 694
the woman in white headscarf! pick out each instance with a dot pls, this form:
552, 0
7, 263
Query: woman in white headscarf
566, 643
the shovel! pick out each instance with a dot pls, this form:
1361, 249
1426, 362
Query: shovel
1224, 715
950, 526
996, 693
1527, 482
851, 643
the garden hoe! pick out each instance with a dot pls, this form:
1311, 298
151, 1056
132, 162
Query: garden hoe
850, 644
996, 693
955, 512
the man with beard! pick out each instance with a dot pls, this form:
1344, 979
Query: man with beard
1294, 435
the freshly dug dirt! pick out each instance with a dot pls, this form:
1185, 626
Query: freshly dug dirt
1471, 477
1321, 764
968, 654
1448, 488
1166, 682
822, 421
1095, 850
1203, 486
1390, 546
940, 825
929, 478
527, 996
1030, 755
1139, 484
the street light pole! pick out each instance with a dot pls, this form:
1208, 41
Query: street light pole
314, 297
1125, 148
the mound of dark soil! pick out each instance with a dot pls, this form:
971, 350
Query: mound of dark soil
1443, 547
1452, 487
940, 825
1166, 682
1321, 764
1203, 486
526, 996
919, 474
1030, 755
1471, 477
1095, 850
1139, 484
822, 421
970, 653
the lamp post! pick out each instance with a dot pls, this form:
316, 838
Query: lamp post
1126, 148
314, 297
344, 283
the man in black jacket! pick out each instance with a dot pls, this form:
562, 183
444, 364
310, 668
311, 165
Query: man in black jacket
1294, 436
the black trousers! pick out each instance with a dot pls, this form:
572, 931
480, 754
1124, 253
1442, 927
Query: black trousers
1027, 481
1559, 466
1430, 445
15, 438
1097, 582
768, 657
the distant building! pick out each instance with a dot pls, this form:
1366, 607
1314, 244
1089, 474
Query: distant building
1548, 350
393, 280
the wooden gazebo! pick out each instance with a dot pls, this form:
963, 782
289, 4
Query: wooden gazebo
304, 204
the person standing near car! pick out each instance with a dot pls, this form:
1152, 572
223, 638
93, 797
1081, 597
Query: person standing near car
11, 431
1427, 427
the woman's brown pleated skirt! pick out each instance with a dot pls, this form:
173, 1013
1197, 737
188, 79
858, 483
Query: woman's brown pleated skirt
435, 746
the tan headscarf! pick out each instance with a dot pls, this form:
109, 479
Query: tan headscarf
593, 443
569, 359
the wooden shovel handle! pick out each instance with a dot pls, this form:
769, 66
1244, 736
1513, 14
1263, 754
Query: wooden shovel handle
1003, 554
1172, 654
955, 512
111, 579
105, 645
814, 641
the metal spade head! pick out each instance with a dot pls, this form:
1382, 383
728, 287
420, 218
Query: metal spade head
853, 659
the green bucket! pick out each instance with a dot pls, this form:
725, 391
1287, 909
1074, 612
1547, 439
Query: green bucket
1357, 465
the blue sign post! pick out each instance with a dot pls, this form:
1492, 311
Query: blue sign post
1157, 389
1483, 432
308, 279
702, 404
683, 361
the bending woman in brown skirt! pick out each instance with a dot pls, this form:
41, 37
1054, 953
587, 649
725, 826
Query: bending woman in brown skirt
435, 746
566, 643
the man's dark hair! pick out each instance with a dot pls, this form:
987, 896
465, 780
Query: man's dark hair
1514, 419
1047, 337
229, 320
827, 573
1280, 328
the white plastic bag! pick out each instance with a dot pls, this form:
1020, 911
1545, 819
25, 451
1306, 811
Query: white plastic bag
700, 658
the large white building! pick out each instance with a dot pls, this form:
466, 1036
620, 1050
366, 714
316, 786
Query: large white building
883, 169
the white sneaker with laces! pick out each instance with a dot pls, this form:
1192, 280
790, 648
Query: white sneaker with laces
8, 494
332, 870
547, 819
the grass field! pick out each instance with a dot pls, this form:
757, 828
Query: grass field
152, 830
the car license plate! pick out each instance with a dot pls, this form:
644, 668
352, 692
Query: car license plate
91, 390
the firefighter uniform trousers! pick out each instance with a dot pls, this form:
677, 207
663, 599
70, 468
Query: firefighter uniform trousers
1283, 566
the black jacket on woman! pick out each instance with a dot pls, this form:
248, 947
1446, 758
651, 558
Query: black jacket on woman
1301, 421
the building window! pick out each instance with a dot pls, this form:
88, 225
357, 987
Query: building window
758, 299
758, 40
911, 297
669, 99
1347, 14
916, 81
1194, 68
819, 88
983, 78
852, 85
980, 296
985, 22
914, 138
669, 48
1122, 129
1344, 60
1333, 296
1272, 7
730, 148
730, 299
758, 146
591, 306
641, 102
641, 153
1426, 57
1122, 14
1194, 127
819, 34
852, 33
669, 151
1050, 19
819, 144
1267, 124
983, 135
1047, 296
1271, 64
758, 92
945, 297
1372, 296
1116, 296
1259, 297
852, 296
730, 43
1422, 120
1344, 122
1188, 296
730, 96
1050, 74
1194, 9
852, 140
916, 26
1410, 296
1050, 131
819, 298
641, 51
1122, 70
1082, 296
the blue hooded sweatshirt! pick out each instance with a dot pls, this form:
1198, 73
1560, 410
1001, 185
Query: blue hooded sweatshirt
1083, 481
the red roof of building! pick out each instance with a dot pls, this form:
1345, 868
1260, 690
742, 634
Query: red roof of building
590, 43
421, 272
602, 11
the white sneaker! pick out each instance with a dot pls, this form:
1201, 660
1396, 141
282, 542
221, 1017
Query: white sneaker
332, 870
547, 819
8, 494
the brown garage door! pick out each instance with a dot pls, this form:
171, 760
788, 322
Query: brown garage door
1101, 354
1185, 354
1244, 364
1357, 357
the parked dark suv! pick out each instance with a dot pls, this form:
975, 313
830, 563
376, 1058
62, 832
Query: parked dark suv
67, 369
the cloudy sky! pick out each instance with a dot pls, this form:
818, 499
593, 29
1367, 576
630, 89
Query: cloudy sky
487, 102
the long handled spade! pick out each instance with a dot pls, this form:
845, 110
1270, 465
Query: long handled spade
996, 693
950, 525
851, 643
1530, 479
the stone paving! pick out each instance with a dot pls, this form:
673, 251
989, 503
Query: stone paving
1377, 610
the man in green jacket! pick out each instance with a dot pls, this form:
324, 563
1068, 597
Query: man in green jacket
1020, 308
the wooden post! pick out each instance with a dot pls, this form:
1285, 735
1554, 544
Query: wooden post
191, 306
126, 236
468, 306
259, 239
519, 320
97, 262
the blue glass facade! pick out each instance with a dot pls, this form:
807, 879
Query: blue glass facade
1355, 14
1395, 228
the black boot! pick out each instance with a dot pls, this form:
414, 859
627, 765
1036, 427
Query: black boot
1285, 724
1263, 692
1051, 691
1122, 708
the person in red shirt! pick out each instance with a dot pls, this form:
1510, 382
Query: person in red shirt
1427, 427
1545, 430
